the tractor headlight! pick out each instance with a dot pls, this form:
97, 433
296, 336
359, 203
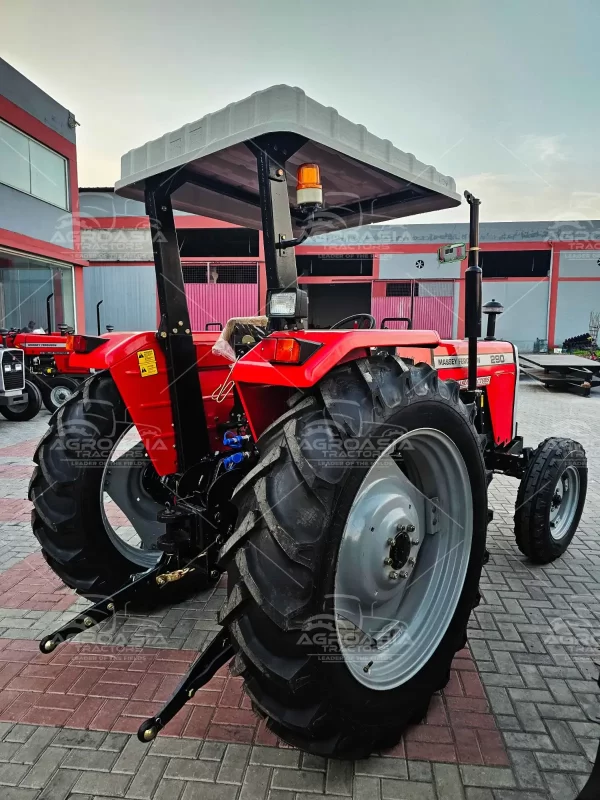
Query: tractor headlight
287, 304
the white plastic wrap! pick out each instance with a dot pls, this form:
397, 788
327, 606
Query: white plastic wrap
222, 347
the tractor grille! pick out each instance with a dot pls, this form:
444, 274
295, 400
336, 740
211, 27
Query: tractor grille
12, 369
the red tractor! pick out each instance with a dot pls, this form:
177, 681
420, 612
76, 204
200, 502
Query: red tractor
47, 360
338, 477
20, 399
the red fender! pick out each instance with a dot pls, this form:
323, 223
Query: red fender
145, 391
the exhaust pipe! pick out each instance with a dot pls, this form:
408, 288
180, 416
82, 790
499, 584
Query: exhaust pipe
473, 291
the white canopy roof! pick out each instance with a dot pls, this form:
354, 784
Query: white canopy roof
365, 179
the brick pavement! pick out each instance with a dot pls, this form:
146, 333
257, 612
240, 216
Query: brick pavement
518, 719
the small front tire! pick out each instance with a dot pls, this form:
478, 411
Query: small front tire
27, 410
550, 499
56, 390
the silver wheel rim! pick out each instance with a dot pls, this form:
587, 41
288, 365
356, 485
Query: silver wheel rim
128, 511
564, 503
403, 558
59, 395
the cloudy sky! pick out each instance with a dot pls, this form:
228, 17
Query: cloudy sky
503, 96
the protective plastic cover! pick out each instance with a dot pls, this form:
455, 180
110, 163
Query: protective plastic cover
365, 179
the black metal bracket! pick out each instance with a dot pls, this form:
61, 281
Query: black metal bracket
511, 460
104, 609
272, 152
174, 334
216, 655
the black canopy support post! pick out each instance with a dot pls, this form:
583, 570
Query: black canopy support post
272, 151
98, 304
49, 312
175, 335
473, 291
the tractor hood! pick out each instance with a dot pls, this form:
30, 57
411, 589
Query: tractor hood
365, 179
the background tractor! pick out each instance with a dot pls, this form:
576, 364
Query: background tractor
339, 477
20, 399
47, 360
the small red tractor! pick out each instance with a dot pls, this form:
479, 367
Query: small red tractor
20, 399
47, 360
338, 477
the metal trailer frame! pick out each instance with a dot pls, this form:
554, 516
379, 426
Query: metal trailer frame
568, 372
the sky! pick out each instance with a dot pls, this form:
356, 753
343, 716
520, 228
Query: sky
503, 96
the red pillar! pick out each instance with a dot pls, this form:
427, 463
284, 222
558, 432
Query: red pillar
554, 275
262, 276
79, 300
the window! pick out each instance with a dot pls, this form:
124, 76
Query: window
220, 272
217, 243
515, 263
332, 265
401, 289
30, 167
25, 283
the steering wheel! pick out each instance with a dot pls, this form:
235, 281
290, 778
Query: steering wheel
369, 319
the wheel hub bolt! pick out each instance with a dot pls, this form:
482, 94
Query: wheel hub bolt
390, 542
393, 576
404, 574
414, 541
410, 528
411, 562
401, 528
387, 561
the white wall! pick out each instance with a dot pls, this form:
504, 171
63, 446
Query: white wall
575, 301
579, 264
525, 316
403, 266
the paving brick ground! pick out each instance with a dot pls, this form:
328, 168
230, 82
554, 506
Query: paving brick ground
518, 720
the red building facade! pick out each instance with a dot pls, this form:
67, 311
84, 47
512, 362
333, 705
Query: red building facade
40, 246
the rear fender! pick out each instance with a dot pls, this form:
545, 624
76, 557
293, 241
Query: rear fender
137, 365
264, 387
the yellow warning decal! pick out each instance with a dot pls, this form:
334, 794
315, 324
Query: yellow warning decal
147, 362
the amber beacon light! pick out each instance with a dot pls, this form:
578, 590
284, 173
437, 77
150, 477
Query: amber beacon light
309, 191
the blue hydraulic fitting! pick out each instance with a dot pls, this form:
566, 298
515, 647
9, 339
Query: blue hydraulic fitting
234, 441
236, 458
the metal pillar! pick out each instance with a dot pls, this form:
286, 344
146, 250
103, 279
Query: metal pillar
189, 419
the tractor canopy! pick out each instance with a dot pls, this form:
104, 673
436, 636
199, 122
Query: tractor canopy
365, 179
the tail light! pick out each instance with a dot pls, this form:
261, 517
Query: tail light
77, 343
280, 350
309, 191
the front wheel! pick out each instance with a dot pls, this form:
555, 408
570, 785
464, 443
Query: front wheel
356, 561
28, 409
550, 499
56, 390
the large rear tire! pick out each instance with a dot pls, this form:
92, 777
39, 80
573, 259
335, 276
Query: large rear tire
66, 488
289, 558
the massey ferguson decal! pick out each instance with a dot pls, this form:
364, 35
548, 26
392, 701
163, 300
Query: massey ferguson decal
484, 380
483, 360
